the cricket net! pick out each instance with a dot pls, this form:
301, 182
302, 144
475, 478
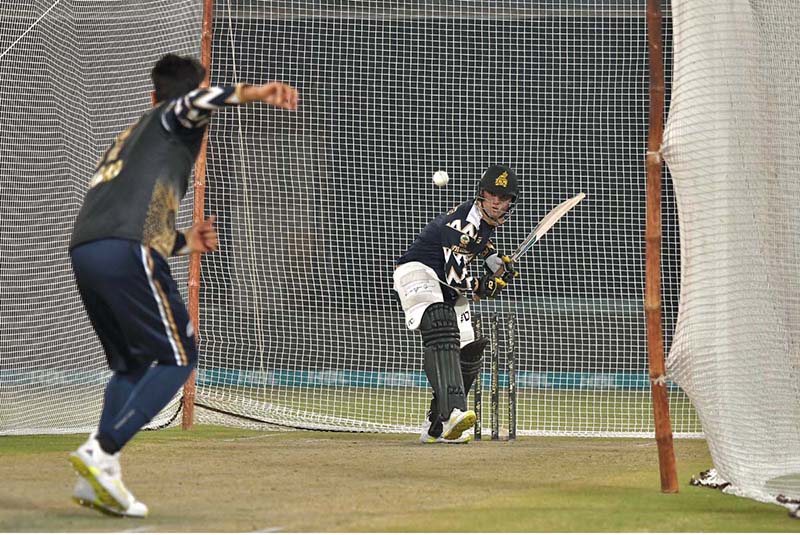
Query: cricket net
732, 146
72, 76
299, 326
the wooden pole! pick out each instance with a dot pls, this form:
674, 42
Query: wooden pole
189, 387
652, 292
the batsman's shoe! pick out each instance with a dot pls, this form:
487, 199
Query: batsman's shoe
84, 495
101, 471
425, 438
458, 422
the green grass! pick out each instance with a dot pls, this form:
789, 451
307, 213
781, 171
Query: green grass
233, 480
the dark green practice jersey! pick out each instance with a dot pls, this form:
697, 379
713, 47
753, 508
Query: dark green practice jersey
139, 182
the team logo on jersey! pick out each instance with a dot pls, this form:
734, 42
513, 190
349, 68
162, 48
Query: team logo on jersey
469, 235
502, 180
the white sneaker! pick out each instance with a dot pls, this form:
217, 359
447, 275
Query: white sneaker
458, 422
102, 472
83, 494
425, 438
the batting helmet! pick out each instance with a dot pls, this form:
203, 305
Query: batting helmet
500, 180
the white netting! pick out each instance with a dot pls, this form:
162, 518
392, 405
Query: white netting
732, 146
298, 323
73, 74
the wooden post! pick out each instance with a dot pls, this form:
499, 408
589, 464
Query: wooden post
652, 292
198, 215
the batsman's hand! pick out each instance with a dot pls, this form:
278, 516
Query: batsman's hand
509, 271
277, 94
489, 286
202, 237
503, 267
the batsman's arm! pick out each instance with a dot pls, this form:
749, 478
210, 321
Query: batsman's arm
499, 272
502, 266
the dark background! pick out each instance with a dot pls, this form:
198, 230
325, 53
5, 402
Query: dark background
314, 206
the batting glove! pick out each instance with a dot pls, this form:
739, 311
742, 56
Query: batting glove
489, 286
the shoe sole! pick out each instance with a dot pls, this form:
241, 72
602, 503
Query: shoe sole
89, 473
100, 508
466, 422
461, 440
96, 506
440, 440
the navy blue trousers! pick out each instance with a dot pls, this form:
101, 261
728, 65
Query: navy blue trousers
138, 314
133, 304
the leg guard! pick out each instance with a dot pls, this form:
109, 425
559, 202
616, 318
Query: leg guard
440, 338
471, 365
472, 361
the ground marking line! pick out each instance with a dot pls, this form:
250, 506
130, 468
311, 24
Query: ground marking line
140, 529
250, 438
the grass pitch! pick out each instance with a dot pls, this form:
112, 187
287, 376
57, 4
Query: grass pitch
234, 480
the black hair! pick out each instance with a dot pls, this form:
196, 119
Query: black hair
174, 76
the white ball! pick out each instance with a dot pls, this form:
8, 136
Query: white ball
441, 178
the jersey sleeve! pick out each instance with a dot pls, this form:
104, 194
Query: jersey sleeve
193, 110
491, 258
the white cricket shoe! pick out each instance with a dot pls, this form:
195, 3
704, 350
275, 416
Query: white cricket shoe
458, 422
425, 438
102, 472
83, 494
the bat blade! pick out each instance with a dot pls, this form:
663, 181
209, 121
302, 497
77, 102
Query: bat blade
546, 224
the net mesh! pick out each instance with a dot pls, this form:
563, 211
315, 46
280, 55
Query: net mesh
732, 147
73, 74
298, 323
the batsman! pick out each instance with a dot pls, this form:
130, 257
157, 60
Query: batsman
431, 278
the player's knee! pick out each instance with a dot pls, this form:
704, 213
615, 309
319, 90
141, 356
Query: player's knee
439, 325
472, 356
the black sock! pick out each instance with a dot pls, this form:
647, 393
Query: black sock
436, 428
107, 444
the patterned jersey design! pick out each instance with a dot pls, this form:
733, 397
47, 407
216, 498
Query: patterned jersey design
193, 110
450, 243
458, 256
139, 182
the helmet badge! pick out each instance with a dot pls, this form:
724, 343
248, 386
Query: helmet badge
502, 180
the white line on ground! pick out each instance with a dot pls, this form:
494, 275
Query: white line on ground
250, 438
268, 530
140, 529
